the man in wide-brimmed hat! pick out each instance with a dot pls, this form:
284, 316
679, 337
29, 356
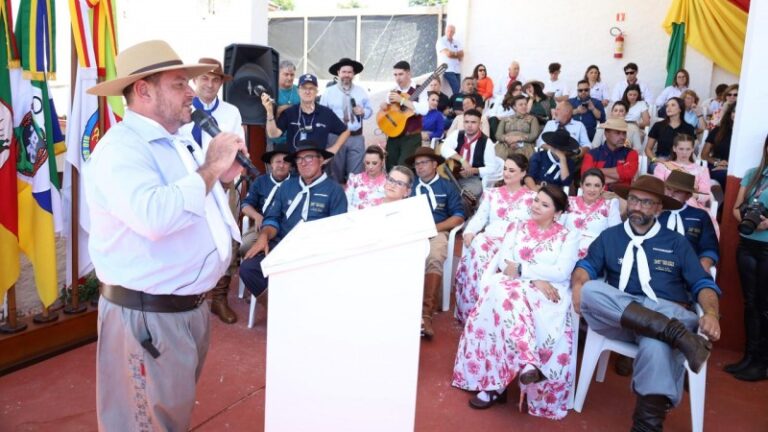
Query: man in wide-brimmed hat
228, 119
564, 120
618, 163
554, 166
350, 104
309, 196
161, 237
652, 276
448, 212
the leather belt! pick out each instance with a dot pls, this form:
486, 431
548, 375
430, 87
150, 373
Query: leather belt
357, 132
141, 301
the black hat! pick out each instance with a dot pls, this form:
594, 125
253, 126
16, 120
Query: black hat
356, 66
305, 145
278, 149
402, 64
561, 140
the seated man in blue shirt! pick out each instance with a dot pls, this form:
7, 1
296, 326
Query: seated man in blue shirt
555, 165
694, 223
652, 277
263, 191
586, 109
448, 212
309, 196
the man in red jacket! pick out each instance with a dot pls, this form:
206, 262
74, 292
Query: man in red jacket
618, 162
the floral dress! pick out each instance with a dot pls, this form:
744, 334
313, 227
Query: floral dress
590, 220
513, 324
363, 191
702, 183
497, 209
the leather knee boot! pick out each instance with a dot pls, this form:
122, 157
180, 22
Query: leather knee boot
432, 282
650, 412
219, 305
649, 323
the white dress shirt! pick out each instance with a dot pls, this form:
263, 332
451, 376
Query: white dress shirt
227, 117
574, 127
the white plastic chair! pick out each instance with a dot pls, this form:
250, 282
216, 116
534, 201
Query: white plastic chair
490, 180
597, 351
241, 286
448, 273
643, 166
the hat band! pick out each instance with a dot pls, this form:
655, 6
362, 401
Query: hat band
156, 66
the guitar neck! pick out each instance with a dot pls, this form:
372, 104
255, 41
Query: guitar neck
416, 93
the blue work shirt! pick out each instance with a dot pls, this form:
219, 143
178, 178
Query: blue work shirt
447, 198
259, 191
541, 163
326, 199
698, 230
317, 125
289, 96
761, 236
676, 273
588, 118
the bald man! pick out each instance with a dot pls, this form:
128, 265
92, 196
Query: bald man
450, 51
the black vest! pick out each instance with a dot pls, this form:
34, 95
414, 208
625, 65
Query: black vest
478, 161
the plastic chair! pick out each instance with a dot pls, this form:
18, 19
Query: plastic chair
448, 273
241, 286
490, 180
597, 351
643, 166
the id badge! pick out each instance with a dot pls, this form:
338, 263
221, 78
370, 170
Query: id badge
302, 136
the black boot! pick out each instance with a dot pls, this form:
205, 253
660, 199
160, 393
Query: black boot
650, 412
649, 323
740, 365
755, 371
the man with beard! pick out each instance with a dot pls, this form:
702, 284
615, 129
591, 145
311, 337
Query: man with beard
653, 275
350, 104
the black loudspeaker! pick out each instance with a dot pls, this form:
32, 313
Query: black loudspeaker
251, 66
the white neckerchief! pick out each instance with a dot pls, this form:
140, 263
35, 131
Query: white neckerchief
304, 191
675, 221
643, 271
430, 192
275, 184
217, 213
554, 169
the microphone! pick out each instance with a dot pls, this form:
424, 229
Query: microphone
208, 124
261, 90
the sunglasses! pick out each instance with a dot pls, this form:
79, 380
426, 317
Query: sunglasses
630, 72
481, 70
732, 94
583, 90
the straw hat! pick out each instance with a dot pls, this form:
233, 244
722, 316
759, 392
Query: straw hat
613, 123
217, 70
652, 185
142, 60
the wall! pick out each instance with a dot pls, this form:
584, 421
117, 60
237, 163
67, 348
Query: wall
577, 35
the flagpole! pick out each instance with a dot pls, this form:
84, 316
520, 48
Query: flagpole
12, 325
74, 307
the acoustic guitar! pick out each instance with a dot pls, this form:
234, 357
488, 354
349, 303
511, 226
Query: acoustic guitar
392, 120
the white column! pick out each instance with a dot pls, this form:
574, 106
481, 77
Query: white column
751, 128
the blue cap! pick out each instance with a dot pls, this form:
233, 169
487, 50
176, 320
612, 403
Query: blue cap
307, 78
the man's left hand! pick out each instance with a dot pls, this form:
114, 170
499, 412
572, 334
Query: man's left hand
710, 326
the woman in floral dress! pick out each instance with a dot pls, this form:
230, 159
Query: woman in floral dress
521, 325
591, 213
485, 231
367, 188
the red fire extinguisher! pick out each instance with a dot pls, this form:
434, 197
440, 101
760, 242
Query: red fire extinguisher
618, 49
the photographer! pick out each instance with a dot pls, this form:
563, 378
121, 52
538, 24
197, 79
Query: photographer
586, 109
752, 259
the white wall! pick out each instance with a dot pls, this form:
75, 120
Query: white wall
575, 34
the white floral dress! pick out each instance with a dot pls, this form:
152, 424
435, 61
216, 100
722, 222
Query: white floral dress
363, 191
497, 209
513, 324
590, 220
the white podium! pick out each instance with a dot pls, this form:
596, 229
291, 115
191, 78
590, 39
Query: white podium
344, 320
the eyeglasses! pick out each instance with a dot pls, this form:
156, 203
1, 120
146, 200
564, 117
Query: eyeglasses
583, 90
306, 158
397, 182
630, 72
481, 70
644, 203
423, 162
732, 94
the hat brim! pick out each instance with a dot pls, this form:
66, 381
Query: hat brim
356, 66
548, 138
608, 127
116, 86
267, 157
435, 157
323, 152
680, 187
667, 203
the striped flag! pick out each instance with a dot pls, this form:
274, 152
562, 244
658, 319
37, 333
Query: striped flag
9, 222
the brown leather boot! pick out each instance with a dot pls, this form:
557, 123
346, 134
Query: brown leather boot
219, 305
623, 365
649, 323
432, 282
650, 412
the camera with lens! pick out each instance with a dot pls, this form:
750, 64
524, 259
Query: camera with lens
750, 216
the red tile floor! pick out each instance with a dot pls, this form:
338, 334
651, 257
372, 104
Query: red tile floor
59, 394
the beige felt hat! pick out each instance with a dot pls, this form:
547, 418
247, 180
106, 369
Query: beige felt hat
217, 69
142, 60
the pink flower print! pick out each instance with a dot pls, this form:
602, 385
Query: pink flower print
501, 213
362, 194
507, 305
480, 333
526, 254
522, 346
582, 253
604, 212
545, 354
472, 367
550, 398
496, 319
579, 223
485, 247
563, 359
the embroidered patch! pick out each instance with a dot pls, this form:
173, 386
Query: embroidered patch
141, 409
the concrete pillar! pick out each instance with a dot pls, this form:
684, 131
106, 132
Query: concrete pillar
749, 136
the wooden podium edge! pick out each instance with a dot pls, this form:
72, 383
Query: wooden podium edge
42, 341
